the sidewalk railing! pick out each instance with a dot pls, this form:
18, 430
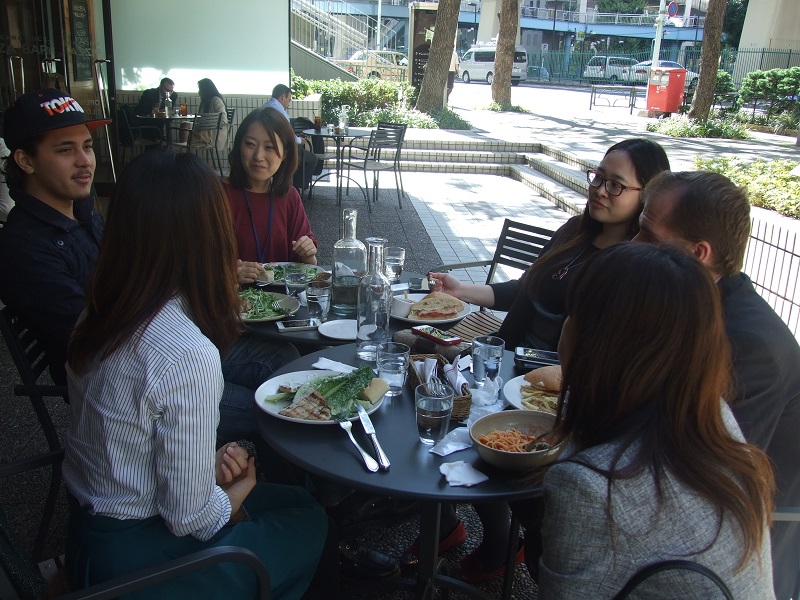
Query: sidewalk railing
772, 261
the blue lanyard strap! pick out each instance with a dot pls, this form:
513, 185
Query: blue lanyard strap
261, 251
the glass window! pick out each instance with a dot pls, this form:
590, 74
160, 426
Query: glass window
520, 57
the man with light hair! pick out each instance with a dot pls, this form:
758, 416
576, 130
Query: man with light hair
708, 216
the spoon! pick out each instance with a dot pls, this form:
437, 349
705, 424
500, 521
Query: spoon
531, 446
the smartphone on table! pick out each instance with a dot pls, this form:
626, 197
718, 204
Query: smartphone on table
298, 325
533, 358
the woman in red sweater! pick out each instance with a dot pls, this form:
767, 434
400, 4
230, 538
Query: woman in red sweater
268, 215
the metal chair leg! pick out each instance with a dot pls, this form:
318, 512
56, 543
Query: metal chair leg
399, 188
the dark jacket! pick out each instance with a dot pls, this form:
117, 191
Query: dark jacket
766, 403
46, 266
150, 97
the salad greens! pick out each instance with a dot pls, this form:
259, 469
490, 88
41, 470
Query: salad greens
278, 271
341, 390
258, 305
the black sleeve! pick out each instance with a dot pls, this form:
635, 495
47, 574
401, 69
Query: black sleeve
145, 105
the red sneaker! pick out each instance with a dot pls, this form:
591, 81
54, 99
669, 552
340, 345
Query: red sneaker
456, 537
473, 571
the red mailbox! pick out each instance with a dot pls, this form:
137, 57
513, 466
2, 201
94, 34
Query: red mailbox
665, 89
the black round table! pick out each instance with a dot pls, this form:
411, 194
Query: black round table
414, 472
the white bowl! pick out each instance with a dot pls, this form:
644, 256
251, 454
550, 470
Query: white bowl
531, 422
401, 307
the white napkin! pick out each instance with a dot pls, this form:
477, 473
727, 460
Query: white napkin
488, 394
456, 440
331, 365
426, 369
455, 378
461, 473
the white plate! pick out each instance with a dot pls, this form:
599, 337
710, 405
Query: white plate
316, 270
271, 387
511, 392
288, 303
340, 329
417, 298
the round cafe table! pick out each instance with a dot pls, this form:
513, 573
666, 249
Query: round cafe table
324, 450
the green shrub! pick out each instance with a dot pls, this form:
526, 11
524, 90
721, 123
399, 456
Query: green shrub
768, 182
497, 107
447, 119
724, 83
777, 87
682, 126
395, 114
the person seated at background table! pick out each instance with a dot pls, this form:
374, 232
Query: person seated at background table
211, 101
145, 383
268, 215
154, 97
707, 215
660, 469
536, 305
307, 161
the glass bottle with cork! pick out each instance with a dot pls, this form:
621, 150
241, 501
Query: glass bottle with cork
349, 265
374, 303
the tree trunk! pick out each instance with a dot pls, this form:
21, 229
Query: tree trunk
709, 60
432, 93
504, 57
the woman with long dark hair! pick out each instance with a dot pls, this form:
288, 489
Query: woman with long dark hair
660, 469
535, 302
211, 101
145, 383
536, 308
268, 216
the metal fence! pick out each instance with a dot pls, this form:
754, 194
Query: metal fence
772, 261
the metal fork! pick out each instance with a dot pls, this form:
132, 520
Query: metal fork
437, 387
348, 427
276, 306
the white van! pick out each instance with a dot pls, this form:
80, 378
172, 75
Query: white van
477, 64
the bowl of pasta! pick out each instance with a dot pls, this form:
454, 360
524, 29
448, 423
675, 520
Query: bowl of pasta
515, 440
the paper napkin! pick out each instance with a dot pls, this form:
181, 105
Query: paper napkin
461, 474
331, 365
456, 440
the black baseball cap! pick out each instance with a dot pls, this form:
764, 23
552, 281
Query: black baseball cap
40, 111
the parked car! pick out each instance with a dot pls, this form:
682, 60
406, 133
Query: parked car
607, 68
477, 64
640, 72
379, 64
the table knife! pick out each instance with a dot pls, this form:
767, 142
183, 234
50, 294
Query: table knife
370, 429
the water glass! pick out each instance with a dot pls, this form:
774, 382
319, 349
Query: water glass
393, 259
330, 128
433, 413
294, 276
392, 361
487, 354
318, 298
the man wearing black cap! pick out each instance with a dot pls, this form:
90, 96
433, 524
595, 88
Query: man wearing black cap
51, 240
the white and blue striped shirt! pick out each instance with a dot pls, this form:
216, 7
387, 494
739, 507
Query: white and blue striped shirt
142, 433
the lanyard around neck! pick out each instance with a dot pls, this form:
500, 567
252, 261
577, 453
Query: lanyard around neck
261, 251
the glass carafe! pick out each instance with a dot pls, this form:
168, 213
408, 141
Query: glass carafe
167, 105
374, 302
349, 265
344, 118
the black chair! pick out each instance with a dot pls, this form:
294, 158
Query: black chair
28, 356
382, 154
519, 246
231, 113
131, 135
203, 136
672, 565
790, 514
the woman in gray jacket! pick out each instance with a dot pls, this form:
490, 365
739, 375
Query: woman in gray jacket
660, 469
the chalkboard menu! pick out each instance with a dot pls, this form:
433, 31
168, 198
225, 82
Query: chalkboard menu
82, 54
423, 22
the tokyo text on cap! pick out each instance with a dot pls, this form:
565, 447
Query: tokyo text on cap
40, 111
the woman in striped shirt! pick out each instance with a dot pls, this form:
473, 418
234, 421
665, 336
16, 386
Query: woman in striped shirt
145, 383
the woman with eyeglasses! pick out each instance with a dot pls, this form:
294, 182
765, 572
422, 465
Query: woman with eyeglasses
536, 305
535, 302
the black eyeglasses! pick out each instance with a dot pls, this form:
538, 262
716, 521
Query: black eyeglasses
615, 188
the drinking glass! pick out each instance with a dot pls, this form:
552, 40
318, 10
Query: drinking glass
318, 298
294, 276
487, 354
392, 360
393, 259
434, 407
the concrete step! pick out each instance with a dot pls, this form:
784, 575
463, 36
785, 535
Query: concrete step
564, 197
467, 156
562, 172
